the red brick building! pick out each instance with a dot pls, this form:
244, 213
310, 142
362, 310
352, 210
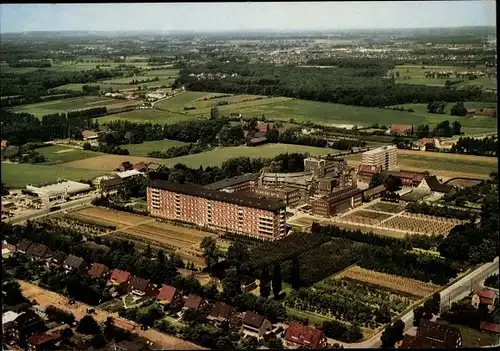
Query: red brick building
235, 212
337, 202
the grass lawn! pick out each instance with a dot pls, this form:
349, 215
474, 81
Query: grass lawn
78, 86
416, 75
148, 146
61, 106
166, 72
217, 156
61, 154
313, 318
148, 116
179, 101
441, 163
19, 175
472, 338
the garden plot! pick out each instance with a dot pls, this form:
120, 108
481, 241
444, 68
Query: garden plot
366, 217
400, 285
111, 217
386, 207
421, 225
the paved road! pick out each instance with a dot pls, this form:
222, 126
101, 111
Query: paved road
453, 293
46, 211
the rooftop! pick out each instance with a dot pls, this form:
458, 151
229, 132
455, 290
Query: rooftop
253, 319
193, 301
167, 293
129, 173
232, 181
380, 149
97, 270
120, 276
234, 198
68, 186
304, 335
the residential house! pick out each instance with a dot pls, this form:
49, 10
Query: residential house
141, 287
194, 302
221, 312
471, 112
125, 166
10, 151
58, 258
23, 245
154, 167
23, 327
301, 336
491, 328
43, 341
89, 135
432, 184
110, 185
75, 263
487, 112
256, 324
373, 193
98, 270
168, 294
434, 335
4, 144
257, 141
38, 252
119, 277
366, 172
424, 144
401, 129
486, 297
249, 285
141, 167
444, 144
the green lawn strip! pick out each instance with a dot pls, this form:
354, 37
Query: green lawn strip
60, 154
157, 145
149, 116
449, 164
19, 175
217, 156
179, 101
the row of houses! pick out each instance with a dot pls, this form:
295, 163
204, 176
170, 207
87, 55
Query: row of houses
123, 282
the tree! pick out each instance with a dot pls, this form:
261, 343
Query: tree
214, 113
88, 325
211, 253
393, 183
87, 146
273, 135
264, 287
436, 107
98, 341
393, 334
161, 256
458, 109
277, 280
377, 179
295, 274
418, 313
457, 128
231, 283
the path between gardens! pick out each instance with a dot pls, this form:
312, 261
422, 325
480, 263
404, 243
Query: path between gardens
127, 227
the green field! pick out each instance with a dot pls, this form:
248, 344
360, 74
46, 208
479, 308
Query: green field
18, 175
217, 156
148, 116
148, 146
70, 66
40, 109
78, 86
181, 100
60, 154
416, 75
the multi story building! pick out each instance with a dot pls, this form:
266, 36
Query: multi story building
291, 196
385, 157
245, 182
236, 212
338, 202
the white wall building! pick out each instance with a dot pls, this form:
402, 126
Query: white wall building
58, 192
384, 156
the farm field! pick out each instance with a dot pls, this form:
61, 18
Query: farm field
183, 99
386, 207
146, 230
441, 164
18, 175
210, 158
78, 86
149, 116
60, 154
416, 75
40, 109
463, 183
405, 286
156, 145
366, 217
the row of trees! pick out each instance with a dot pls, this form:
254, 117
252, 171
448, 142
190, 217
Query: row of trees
480, 147
349, 86
444, 211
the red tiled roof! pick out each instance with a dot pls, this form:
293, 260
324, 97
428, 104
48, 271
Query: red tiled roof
39, 339
88, 133
167, 293
471, 110
491, 327
424, 141
263, 127
120, 276
97, 270
486, 296
369, 169
193, 301
301, 334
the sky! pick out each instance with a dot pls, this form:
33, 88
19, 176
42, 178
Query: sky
245, 16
